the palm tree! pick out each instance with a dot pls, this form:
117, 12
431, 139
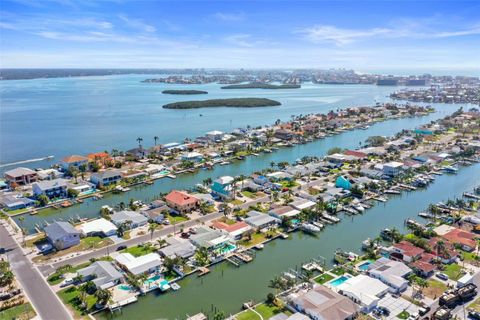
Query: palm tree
103, 296
151, 228
114, 154
139, 140
207, 181
161, 242
276, 283
155, 139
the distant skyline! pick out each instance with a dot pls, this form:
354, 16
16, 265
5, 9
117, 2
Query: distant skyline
367, 36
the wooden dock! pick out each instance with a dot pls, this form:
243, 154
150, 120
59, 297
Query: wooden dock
203, 271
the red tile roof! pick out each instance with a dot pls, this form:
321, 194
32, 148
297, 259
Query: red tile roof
461, 237
354, 153
408, 249
93, 156
423, 266
230, 227
180, 198
74, 158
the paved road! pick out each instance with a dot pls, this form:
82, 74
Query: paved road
50, 268
44, 300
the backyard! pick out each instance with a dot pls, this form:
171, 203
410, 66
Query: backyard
20, 312
323, 278
71, 297
435, 289
266, 311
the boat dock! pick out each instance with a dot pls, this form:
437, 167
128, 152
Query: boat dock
203, 271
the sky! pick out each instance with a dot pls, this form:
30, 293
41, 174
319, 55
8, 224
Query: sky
418, 36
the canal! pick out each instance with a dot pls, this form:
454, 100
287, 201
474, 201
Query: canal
350, 139
227, 287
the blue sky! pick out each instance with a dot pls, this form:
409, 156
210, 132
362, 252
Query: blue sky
363, 35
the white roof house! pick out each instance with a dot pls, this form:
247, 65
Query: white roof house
301, 204
392, 273
98, 226
364, 290
141, 264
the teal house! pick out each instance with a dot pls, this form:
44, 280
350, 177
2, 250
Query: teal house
343, 183
222, 187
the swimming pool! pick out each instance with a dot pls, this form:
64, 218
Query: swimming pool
152, 279
364, 266
338, 281
125, 287
226, 248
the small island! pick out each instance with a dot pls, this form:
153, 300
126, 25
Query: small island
254, 85
186, 92
233, 103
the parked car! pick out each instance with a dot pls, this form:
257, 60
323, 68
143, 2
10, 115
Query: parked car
67, 282
423, 311
414, 316
442, 276
122, 247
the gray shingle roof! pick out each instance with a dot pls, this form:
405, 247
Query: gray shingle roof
58, 229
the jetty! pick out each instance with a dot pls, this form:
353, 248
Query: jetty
203, 271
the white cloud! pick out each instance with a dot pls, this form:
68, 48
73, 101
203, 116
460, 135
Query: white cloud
240, 40
229, 16
342, 36
137, 23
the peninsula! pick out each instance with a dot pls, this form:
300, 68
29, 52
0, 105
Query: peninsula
234, 102
184, 92
262, 86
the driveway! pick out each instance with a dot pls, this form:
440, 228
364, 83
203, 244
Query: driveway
397, 305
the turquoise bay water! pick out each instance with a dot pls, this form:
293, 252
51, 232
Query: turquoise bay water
65, 116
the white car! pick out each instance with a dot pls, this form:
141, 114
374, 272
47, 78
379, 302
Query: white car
66, 282
414, 316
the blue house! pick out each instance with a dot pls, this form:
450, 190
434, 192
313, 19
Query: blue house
343, 183
222, 187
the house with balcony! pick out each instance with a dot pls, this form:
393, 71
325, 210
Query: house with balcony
20, 176
56, 188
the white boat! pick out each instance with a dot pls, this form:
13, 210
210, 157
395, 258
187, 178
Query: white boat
318, 224
425, 215
358, 207
309, 228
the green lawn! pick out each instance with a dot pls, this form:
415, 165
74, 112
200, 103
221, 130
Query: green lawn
323, 278
176, 219
56, 277
69, 296
20, 312
94, 242
249, 194
338, 271
403, 315
453, 271
469, 256
475, 305
139, 250
267, 311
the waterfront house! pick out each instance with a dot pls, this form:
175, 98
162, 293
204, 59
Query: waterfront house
204, 198
74, 161
137, 153
133, 218
260, 220
215, 135
20, 176
283, 211
178, 248
181, 201
235, 231
356, 154
223, 187
393, 168
301, 204
49, 174
15, 201
56, 188
405, 251
145, 264
392, 273
102, 273
321, 303
343, 183
82, 187
279, 176
284, 134
152, 169
192, 156
364, 290
260, 179
209, 238
62, 235
99, 227
101, 158
336, 158
465, 239
106, 178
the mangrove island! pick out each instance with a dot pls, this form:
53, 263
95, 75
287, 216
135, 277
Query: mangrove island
184, 92
234, 102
